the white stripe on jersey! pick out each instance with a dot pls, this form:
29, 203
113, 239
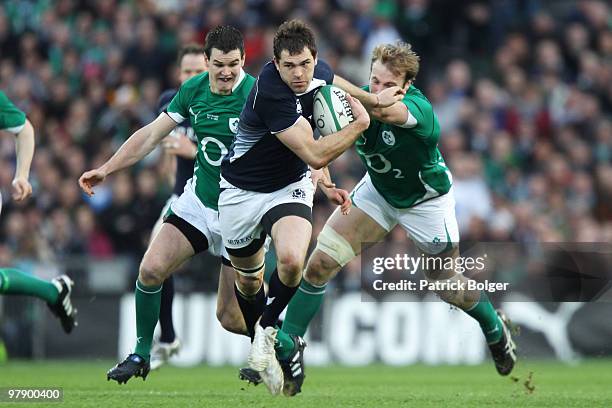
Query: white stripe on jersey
14, 130
177, 117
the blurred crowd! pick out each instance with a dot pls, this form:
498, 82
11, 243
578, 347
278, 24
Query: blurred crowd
522, 89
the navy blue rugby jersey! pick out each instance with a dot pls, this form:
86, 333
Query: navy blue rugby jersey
258, 160
184, 167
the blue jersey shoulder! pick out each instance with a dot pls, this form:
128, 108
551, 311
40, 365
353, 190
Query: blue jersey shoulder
324, 71
165, 99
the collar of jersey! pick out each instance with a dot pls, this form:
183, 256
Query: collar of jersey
315, 83
241, 77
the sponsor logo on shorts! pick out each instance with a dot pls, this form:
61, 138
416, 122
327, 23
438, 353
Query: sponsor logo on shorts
239, 241
388, 137
298, 194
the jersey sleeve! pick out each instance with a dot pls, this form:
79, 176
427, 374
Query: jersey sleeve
178, 109
324, 71
12, 119
415, 110
421, 120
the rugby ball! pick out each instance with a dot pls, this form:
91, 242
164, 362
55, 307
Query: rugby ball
331, 111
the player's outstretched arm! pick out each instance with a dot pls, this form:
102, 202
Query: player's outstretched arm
396, 115
137, 146
319, 153
385, 99
24, 147
385, 106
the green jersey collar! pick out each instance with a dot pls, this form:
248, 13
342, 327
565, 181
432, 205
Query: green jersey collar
241, 77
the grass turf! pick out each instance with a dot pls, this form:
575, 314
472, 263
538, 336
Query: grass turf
552, 385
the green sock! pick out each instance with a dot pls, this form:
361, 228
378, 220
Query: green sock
284, 345
14, 282
303, 306
148, 300
484, 312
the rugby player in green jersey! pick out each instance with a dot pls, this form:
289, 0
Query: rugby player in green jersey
212, 101
407, 183
178, 160
14, 282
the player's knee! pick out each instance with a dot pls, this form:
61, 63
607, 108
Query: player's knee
321, 268
249, 285
152, 272
334, 247
290, 263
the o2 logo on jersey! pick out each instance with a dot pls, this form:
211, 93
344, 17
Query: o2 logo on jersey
388, 137
233, 124
221, 150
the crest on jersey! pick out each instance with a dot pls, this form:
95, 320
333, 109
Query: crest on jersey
298, 107
233, 124
388, 137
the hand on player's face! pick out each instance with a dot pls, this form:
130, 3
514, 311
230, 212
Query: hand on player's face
224, 70
381, 79
90, 179
389, 96
361, 115
296, 70
22, 189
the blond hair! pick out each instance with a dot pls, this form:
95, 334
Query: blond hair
398, 58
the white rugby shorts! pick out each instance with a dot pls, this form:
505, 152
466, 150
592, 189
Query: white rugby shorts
432, 224
247, 216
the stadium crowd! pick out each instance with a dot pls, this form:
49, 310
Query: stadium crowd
522, 89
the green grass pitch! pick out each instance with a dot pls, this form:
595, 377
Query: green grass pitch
552, 384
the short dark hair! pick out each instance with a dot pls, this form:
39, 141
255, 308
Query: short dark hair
293, 36
191, 48
225, 38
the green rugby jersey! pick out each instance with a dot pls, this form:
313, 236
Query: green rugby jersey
214, 119
405, 164
11, 118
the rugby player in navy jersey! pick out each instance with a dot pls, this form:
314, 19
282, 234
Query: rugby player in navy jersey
266, 189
